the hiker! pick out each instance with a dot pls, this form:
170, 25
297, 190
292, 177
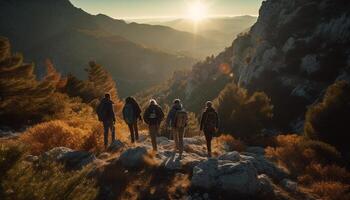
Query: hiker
177, 120
153, 116
106, 115
209, 124
131, 113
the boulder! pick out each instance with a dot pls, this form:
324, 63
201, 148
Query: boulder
55, 153
236, 177
263, 166
76, 159
31, 158
104, 156
231, 156
115, 146
133, 157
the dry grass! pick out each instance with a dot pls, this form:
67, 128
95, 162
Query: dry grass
331, 190
229, 143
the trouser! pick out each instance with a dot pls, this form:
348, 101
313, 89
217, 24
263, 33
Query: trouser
179, 139
208, 138
108, 125
134, 132
153, 131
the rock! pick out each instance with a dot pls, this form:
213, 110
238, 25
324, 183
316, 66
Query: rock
133, 157
163, 141
104, 155
31, 158
256, 150
115, 146
172, 163
231, 156
206, 196
76, 159
237, 177
55, 153
289, 185
266, 186
263, 166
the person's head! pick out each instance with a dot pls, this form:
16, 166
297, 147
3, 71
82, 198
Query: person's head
107, 96
177, 102
153, 102
209, 104
128, 100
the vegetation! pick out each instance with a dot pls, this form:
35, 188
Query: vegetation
329, 120
242, 115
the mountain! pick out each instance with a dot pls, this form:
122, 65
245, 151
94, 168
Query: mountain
137, 55
221, 29
294, 51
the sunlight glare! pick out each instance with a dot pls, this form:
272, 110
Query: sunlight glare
197, 11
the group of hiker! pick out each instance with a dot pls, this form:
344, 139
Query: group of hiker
176, 121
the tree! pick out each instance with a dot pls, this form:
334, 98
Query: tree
329, 119
242, 115
23, 99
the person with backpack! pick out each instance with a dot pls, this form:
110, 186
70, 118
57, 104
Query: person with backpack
131, 113
153, 116
106, 115
209, 124
177, 120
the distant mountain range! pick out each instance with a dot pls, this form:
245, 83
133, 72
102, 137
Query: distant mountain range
223, 30
137, 55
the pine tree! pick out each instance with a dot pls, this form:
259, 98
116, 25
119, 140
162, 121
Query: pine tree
23, 99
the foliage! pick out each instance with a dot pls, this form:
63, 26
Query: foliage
296, 153
329, 120
228, 143
47, 181
242, 115
10, 153
331, 190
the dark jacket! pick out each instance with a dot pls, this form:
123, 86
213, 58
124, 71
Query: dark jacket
204, 118
136, 110
105, 110
153, 120
170, 120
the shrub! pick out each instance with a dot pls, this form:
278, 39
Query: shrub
242, 115
47, 181
329, 120
296, 153
10, 153
47, 135
331, 190
317, 172
228, 143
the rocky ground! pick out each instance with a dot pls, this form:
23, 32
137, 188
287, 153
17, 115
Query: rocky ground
135, 172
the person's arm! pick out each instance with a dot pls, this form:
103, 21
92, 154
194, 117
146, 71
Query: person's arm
217, 120
112, 109
169, 117
202, 121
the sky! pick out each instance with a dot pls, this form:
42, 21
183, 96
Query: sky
141, 9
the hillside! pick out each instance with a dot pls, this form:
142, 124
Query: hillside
293, 53
71, 37
221, 29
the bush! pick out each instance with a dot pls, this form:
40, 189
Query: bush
47, 135
242, 115
329, 120
317, 172
10, 153
296, 153
331, 190
228, 143
47, 181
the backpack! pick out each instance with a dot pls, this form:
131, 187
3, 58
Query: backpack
128, 113
210, 122
181, 119
153, 116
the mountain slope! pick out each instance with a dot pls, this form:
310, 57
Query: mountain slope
70, 37
293, 53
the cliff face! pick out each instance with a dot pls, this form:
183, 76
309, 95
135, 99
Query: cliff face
294, 51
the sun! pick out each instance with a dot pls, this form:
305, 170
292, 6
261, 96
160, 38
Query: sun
197, 11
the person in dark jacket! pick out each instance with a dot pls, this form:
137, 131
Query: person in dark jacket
177, 120
153, 116
131, 113
106, 115
209, 124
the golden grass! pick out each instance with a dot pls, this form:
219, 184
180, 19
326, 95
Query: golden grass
228, 141
330, 190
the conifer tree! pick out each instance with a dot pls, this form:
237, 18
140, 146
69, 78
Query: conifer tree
23, 99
